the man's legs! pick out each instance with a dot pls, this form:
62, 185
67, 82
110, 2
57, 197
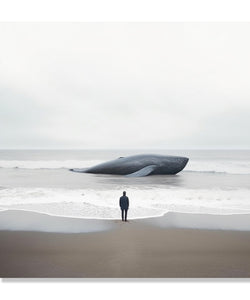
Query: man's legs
126, 212
122, 214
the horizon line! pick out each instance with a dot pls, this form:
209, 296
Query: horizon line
123, 149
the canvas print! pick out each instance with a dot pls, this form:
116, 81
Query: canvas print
124, 150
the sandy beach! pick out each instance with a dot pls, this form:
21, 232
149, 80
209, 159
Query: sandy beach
135, 249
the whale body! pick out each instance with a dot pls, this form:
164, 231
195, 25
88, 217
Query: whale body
139, 165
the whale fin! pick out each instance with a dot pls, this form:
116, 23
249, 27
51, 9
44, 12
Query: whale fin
143, 172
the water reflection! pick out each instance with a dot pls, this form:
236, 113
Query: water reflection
186, 180
159, 181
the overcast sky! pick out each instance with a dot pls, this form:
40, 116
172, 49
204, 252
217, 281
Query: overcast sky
132, 85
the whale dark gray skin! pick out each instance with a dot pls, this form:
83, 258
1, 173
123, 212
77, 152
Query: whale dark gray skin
140, 165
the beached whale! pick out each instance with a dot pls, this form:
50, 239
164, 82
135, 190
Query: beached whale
139, 165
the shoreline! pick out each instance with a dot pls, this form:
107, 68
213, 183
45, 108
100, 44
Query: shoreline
23, 220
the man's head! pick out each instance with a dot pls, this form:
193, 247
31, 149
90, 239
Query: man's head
124, 193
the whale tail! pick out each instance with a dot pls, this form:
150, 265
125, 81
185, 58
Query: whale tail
78, 170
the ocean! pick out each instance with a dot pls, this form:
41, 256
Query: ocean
213, 182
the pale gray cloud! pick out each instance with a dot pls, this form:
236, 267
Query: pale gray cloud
133, 85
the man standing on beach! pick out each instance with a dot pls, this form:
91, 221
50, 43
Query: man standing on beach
124, 205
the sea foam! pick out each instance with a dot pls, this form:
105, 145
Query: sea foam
87, 203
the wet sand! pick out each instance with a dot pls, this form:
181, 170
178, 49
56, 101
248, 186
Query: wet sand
134, 249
